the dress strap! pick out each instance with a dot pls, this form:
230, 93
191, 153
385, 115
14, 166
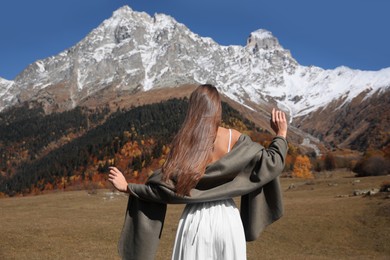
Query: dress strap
230, 139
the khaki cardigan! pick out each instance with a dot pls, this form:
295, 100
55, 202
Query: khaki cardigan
248, 170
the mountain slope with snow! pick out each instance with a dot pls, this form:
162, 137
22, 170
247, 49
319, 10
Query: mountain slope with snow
132, 52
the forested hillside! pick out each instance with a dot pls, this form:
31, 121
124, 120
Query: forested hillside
73, 149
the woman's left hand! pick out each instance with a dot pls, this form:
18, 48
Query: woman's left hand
117, 179
279, 122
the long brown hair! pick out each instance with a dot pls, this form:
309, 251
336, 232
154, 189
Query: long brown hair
193, 144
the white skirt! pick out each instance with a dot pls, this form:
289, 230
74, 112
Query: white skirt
210, 230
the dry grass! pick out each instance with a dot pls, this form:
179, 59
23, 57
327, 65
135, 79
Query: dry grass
318, 224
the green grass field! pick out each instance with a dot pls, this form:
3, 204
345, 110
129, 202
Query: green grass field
321, 221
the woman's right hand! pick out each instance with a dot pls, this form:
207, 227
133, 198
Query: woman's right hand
117, 179
279, 122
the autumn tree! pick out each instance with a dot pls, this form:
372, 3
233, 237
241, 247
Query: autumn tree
302, 167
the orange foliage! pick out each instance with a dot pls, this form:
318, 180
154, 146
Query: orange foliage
131, 149
35, 190
49, 186
96, 177
260, 137
289, 159
165, 149
61, 183
161, 162
302, 167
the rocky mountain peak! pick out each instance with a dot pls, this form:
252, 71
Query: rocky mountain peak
128, 13
262, 39
123, 11
137, 27
4, 81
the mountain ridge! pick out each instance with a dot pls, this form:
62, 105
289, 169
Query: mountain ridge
133, 52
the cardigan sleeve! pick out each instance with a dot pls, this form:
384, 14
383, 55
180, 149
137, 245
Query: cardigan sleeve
142, 229
271, 162
264, 205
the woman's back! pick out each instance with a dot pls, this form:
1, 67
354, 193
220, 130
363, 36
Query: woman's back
224, 141
212, 230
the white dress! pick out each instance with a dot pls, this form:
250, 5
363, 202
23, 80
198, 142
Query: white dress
210, 231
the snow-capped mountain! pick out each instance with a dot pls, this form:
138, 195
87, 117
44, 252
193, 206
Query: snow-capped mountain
132, 51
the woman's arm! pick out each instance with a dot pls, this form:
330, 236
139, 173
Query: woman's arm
118, 180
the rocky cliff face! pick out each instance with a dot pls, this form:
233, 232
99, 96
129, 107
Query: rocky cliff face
132, 52
7, 93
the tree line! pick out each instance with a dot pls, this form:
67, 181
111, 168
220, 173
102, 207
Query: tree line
149, 127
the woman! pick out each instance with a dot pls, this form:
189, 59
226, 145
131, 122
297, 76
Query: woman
211, 226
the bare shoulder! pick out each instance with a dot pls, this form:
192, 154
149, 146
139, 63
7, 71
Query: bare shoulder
224, 134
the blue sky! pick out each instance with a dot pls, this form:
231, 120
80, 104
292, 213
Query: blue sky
328, 34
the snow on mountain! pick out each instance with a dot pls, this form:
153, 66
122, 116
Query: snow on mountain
6, 95
310, 88
132, 51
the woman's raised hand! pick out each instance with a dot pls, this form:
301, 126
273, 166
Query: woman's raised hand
279, 122
117, 179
